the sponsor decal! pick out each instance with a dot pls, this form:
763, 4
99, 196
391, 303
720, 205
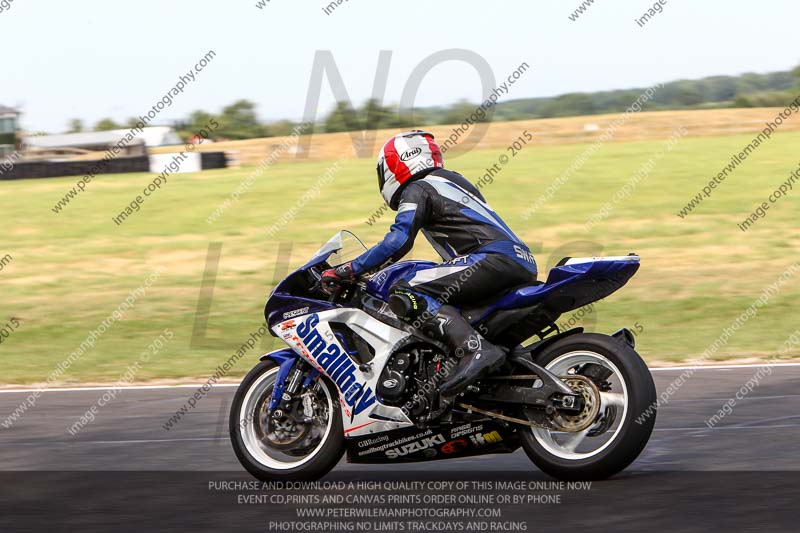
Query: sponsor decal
417, 446
464, 429
397, 442
409, 154
454, 446
413, 444
523, 254
336, 364
296, 312
380, 277
479, 441
370, 441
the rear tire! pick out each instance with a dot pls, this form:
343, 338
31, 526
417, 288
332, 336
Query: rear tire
634, 430
259, 464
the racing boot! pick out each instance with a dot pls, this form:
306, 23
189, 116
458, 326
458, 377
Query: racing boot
477, 356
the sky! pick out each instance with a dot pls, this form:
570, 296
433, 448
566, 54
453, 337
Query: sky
92, 59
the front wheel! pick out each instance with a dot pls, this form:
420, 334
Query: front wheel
302, 445
621, 427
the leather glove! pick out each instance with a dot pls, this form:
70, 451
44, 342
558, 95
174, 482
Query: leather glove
333, 277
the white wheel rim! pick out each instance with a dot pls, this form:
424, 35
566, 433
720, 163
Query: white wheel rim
566, 448
255, 446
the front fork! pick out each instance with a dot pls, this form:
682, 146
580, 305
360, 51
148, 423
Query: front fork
294, 376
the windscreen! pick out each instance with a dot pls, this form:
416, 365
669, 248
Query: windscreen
343, 247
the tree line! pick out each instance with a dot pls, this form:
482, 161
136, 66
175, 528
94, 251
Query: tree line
240, 119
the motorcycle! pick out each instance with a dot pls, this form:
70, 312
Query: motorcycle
356, 379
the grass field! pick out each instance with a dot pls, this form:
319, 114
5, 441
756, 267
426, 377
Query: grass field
640, 126
70, 271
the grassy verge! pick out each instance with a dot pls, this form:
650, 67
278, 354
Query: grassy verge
70, 271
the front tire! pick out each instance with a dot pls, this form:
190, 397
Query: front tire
625, 421
308, 461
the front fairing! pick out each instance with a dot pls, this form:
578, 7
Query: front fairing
293, 296
285, 302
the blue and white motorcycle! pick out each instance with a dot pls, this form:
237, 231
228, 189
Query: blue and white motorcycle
357, 379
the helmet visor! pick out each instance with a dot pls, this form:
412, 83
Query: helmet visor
380, 169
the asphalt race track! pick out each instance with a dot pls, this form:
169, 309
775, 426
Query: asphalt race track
689, 474
128, 433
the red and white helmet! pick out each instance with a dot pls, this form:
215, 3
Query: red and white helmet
403, 156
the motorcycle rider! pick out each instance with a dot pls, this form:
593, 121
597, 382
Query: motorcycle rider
482, 256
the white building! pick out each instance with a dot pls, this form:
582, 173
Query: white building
100, 141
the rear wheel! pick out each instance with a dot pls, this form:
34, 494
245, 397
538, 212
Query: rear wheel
621, 426
274, 445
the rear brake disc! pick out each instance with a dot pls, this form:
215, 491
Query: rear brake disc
591, 405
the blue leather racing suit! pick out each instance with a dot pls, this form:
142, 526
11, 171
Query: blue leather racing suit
481, 255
